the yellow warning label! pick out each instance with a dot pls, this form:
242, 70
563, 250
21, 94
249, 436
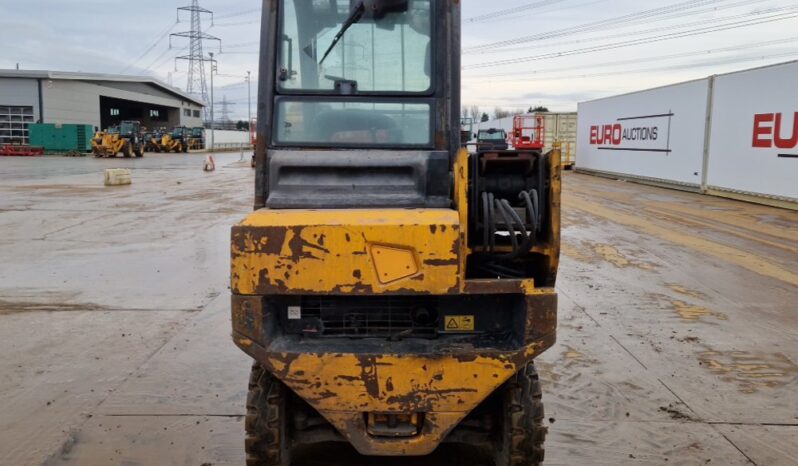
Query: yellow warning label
459, 323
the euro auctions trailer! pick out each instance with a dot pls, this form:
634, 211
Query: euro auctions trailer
753, 145
733, 135
655, 135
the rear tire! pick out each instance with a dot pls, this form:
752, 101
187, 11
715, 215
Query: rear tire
522, 432
266, 421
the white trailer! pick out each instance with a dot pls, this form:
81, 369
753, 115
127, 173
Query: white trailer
655, 135
732, 135
753, 148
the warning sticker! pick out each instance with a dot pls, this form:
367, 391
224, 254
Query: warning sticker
459, 323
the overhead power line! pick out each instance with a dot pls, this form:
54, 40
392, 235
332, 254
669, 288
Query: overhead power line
597, 25
240, 13
149, 49
708, 52
239, 23
642, 32
675, 67
511, 11
633, 42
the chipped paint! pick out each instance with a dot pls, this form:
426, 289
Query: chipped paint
281, 252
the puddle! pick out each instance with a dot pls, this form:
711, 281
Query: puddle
751, 372
691, 312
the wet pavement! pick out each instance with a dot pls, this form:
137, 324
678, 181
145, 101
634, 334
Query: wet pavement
678, 341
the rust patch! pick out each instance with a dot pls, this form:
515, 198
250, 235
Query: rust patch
298, 246
441, 262
368, 373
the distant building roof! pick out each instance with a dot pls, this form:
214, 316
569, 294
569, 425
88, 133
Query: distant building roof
71, 76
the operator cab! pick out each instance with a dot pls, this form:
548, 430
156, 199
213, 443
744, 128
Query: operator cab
357, 79
179, 133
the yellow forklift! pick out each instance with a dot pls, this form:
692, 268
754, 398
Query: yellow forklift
176, 141
125, 138
393, 289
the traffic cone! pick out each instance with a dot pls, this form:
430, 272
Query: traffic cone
210, 165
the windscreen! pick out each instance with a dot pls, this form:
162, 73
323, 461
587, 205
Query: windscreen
127, 128
392, 53
492, 136
353, 124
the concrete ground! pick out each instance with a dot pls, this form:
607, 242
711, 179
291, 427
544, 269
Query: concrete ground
678, 340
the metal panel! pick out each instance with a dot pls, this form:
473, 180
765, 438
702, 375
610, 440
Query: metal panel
754, 135
653, 134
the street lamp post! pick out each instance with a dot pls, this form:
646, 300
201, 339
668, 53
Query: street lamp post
213, 69
249, 100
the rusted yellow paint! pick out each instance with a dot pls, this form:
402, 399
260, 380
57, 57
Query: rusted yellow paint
435, 428
393, 383
461, 177
311, 251
342, 387
422, 251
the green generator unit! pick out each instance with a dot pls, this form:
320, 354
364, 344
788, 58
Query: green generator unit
61, 138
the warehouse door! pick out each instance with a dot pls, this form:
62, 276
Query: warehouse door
114, 111
14, 121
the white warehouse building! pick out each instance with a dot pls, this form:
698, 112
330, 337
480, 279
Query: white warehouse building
99, 100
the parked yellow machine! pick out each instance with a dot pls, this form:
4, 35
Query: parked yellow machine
393, 289
125, 139
176, 141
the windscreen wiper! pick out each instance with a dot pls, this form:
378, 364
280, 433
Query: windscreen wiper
354, 17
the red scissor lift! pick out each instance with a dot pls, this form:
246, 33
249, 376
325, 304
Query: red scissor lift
528, 131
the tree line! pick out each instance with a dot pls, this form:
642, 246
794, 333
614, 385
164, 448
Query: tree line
477, 114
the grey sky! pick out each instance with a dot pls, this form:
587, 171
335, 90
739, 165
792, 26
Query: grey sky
112, 35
